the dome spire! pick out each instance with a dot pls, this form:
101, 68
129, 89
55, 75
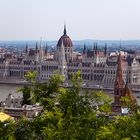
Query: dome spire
65, 31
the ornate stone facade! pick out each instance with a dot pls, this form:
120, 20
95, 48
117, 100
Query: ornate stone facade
98, 67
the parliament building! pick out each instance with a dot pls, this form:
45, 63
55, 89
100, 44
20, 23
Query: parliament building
98, 67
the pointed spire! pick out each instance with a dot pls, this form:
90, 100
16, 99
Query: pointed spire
121, 89
41, 53
84, 49
46, 49
118, 86
36, 48
95, 47
119, 75
65, 31
105, 49
26, 48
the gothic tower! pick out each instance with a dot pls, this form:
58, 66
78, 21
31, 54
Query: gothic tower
121, 89
37, 52
119, 82
26, 48
84, 49
46, 49
41, 51
105, 50
36, 48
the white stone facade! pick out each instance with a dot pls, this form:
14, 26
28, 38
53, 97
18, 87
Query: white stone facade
97, 67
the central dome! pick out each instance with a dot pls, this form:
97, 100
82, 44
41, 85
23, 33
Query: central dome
65, 39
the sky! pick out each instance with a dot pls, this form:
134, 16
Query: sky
85, 19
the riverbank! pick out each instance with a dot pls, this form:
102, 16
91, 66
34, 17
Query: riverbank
14, 82
90, 87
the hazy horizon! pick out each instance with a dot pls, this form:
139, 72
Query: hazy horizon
90, 19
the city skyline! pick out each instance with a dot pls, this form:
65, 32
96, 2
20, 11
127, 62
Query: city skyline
91, 19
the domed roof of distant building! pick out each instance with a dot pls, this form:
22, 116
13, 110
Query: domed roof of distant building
67, 42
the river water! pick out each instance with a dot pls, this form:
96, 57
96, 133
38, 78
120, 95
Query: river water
5, 89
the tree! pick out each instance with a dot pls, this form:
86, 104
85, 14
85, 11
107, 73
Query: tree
26, 90
122, 127
24, 130
46, 93
31, 76
72, 114
7, 130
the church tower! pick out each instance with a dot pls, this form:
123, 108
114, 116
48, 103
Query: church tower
121, 89
119, 82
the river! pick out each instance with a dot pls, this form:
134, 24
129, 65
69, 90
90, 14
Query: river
5, 89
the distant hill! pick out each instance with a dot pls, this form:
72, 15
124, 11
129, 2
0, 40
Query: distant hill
112, 44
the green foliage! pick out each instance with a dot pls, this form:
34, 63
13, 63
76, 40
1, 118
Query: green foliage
46, 93
26, 90
126, 102
24, 130
31, 76
7, 130
122, 127
70, 114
